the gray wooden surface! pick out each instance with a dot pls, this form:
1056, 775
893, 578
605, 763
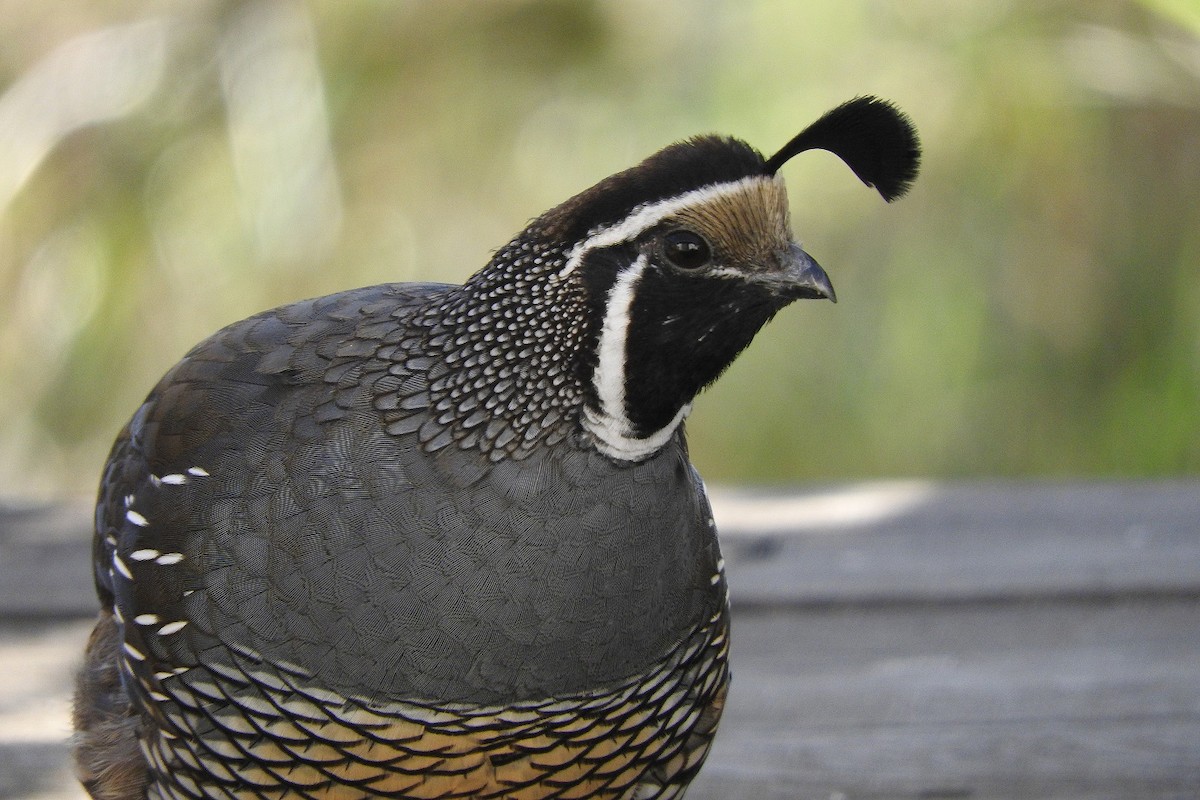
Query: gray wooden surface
902, 640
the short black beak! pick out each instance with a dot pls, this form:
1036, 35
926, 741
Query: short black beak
801, 277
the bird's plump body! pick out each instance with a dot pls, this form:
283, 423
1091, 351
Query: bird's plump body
431, 541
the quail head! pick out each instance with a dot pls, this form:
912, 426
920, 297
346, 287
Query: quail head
444, 541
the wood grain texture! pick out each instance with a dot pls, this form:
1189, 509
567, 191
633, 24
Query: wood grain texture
986, 641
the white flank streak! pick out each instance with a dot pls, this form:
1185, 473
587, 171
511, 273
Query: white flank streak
146, 619
609, 424
121, 568
143, 555
136, 518
651, 214
133, 651
172, 627
174, 479
199, 472
167, 559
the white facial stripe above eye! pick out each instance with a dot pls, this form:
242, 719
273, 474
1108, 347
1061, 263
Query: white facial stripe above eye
649, 215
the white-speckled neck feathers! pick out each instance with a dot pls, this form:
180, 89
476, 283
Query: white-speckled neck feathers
536, 347
491, 365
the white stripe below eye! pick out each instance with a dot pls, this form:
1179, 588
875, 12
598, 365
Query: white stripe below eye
609, 424
651, 214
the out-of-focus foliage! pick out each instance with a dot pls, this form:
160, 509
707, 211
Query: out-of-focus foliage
1033, 307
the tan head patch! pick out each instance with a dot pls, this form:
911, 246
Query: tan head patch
744, 225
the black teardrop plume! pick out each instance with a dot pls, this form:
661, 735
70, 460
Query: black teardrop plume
875, 139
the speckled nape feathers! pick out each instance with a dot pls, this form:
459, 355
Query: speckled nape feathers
488, 366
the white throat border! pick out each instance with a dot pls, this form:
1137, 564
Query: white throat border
609, 425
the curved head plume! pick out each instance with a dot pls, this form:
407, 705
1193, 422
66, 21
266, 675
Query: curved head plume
875, 139
872, 136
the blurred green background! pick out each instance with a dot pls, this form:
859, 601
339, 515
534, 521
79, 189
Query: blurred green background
1032, 308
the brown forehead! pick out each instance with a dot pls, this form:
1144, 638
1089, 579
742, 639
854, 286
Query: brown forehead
744, 224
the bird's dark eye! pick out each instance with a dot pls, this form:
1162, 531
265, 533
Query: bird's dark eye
686, 250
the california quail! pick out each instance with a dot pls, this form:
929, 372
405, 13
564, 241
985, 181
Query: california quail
433, 541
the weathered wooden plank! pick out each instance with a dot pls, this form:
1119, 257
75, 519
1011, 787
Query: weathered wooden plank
923, 541
1131, 760
903, 641
994, 700
45, 560
1077, 699
857, 543
996, 661
37, 661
